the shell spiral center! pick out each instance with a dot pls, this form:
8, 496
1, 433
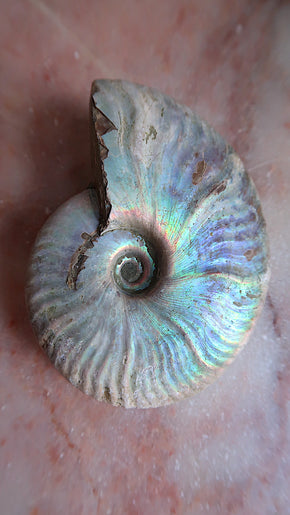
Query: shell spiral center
135, 267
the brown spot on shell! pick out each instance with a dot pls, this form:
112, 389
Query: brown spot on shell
46, 340
249, 254
199, 171
251, 296
107, 394
219, 188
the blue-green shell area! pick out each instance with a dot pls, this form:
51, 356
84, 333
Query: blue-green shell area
175, 185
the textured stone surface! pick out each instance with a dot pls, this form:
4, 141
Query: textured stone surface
225, 451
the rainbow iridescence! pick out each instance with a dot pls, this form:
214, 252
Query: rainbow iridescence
186, 226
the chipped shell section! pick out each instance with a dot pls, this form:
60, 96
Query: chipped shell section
169, 290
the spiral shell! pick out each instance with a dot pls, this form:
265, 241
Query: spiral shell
167, 292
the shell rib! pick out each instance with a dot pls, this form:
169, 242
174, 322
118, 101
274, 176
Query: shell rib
170, 290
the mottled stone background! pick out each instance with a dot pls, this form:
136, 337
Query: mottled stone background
227, 450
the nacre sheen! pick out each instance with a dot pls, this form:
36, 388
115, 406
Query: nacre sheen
170, 289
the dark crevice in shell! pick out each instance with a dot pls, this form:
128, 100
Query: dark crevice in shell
99, 125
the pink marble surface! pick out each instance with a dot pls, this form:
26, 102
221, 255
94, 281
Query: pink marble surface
225, 451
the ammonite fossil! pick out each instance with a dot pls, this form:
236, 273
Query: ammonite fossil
144, 287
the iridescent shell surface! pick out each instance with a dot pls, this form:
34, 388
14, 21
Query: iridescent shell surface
171, 288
